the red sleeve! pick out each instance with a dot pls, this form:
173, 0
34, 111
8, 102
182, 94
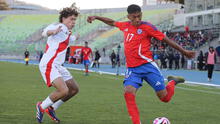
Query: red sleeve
82, 50
154, 32
120, 25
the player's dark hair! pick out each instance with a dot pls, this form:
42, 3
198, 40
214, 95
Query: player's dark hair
211, 47
86, 42
66, 12
133, 8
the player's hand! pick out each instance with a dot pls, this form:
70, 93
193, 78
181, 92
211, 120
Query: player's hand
57, 30
90, 19
189, 54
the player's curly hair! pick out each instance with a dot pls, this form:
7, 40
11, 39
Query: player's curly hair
66, 12
133, 8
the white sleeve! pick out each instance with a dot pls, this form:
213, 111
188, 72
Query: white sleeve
72, 39
50, 27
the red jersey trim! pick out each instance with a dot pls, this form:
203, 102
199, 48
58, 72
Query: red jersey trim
62, 46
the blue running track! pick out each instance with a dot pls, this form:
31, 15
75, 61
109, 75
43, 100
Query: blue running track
193, 76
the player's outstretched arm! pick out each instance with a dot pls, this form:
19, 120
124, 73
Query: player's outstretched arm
48, 32
54, 32
187, 53
107, 21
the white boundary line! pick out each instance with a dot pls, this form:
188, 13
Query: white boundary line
122, 74
205, 84
100, 72
202, 91
182, 88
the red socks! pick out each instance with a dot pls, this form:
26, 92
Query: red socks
132, 108
170, 91
87, 70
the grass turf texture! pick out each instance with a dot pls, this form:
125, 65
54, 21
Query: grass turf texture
100, 100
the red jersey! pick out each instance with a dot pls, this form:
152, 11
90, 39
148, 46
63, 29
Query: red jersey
137, 42
86, 51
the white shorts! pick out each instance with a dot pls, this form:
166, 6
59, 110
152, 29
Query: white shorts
51, 73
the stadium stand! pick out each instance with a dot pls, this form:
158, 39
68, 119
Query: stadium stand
114, 37
15, 29
201, 16
3, 5
21, 28
19, 31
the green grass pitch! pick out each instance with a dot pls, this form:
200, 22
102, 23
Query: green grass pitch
100, 100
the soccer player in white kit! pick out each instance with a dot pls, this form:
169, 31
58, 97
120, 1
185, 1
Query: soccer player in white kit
54, 74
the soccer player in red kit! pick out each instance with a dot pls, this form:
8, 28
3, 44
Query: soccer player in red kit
139, 60
86, 53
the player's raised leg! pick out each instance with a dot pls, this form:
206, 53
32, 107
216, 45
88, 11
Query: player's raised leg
166, 94
155, 79
73, 89
60, 92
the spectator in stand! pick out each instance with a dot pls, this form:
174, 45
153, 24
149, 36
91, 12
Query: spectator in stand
170, 58
162, 57
191, 39
182, 61
177, 60
200, 59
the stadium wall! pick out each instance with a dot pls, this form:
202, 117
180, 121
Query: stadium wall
208, 17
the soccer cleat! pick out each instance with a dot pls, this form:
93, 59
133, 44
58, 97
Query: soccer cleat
51, 113
177, 79
40, 112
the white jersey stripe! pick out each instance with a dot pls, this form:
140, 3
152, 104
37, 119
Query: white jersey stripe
142, 56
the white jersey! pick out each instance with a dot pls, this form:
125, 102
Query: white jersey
56, 45
54, 56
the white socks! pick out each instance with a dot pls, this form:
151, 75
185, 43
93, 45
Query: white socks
46, 103
57, 104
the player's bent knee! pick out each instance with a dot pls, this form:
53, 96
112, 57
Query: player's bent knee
165, 100
74, 91
161, 94
130, 89
64, 92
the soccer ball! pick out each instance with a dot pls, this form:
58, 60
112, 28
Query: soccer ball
161, 120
